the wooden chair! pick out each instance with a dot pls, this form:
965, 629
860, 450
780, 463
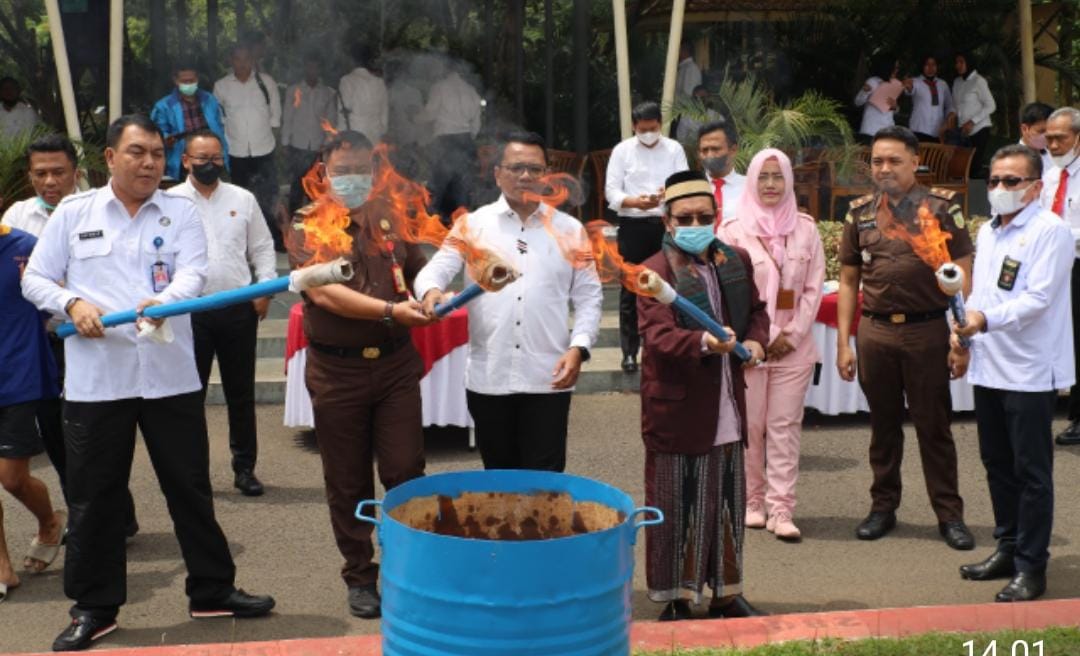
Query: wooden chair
572, 164
599, 161
958, 173
936, 157
858, 183
808, 187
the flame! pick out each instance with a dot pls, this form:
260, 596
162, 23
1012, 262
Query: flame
930, 243
324, 226
327, 128
553, 191
297, 96
611, 266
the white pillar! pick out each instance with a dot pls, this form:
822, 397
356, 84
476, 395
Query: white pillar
1027, 50
116, 58
622, 61
63, 70
671, 67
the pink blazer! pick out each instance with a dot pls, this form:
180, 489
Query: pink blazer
804, 272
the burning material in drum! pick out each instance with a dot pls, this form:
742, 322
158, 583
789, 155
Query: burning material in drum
506, 516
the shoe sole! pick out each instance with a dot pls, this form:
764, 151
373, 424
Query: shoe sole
251, 493
101, 633
366, 616
94, 637
223, 612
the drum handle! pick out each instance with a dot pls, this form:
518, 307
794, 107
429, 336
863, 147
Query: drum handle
365, 518
659, 518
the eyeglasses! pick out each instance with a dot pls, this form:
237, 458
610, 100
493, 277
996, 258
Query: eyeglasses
219, 160
534, 170
1010, 181
701, 218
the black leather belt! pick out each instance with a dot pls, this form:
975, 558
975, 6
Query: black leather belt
898, 318
365, 352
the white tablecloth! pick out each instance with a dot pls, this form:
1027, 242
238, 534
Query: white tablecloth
831, 395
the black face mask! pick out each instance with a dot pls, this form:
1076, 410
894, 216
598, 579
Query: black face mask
207, 173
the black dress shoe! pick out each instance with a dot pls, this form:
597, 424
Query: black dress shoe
364, 601
629, 364
248, 485
82, 631
1070, 436
737, 607
237, 604
957, 535
1025, 586
998, 566
876, 525
131, 530
675, 610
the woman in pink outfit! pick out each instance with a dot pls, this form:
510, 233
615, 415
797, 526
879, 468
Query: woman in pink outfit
789, 269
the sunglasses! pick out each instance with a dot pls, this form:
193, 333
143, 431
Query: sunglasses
687, 220
1009, 181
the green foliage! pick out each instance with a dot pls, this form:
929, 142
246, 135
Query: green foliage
14, 181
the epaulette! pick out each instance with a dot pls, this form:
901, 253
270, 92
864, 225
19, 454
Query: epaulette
860, 202
76, 196
944, 194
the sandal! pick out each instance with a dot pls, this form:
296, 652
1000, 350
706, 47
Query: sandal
43, 553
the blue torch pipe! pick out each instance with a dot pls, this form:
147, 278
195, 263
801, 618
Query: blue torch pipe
956, 305
466, 295
709, 324
210, 302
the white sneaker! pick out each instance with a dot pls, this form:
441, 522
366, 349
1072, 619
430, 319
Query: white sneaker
755, 515
784, 528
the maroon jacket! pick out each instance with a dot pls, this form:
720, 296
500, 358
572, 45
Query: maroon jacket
680, 385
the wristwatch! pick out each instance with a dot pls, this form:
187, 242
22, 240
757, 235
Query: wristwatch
388, 314
67, 306
585, 355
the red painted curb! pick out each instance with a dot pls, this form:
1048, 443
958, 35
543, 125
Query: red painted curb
748, 632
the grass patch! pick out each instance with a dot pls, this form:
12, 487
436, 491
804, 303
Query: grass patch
1054, 642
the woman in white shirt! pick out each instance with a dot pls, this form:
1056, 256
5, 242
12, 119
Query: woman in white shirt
883, 69
974, 106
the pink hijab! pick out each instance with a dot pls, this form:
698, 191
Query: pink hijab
770, 224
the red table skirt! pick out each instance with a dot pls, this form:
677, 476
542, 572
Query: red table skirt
827, 312
433, 342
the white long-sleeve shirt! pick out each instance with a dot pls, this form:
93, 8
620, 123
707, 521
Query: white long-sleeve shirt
926, 117
1071, 210
237, 238
28, 215
17, 120
687, 78
365, 104
1028, 345
873, 119
305, 108
973, 101
453, 107
249, 115
517, 335
634, 169
104, 256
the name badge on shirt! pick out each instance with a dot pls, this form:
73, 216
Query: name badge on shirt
399, 278
1007, 277
159, 276
785, 299
92, 234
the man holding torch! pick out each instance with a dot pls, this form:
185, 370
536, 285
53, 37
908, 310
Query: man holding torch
121, 245
693, 407
1019, 326
903, 339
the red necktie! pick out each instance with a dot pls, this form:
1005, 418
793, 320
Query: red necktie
1059, 197
718, 194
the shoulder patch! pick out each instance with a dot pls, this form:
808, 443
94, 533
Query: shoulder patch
944, 194
957, 215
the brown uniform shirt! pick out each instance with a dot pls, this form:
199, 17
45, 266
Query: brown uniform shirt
894, 279
372, 264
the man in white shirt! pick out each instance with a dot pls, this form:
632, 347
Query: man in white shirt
365, 104
238, 241
688, 77
1033, 117
1061, 195
686, 131
1018, 323
454, 110
717, 146
523, 363
122, 246
634, 189
307, 104
932, 102
16, 116
252, 108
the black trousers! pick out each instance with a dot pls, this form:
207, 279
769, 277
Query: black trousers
452, 165
927, 138
521, 431
231, 333
1074, 393
979, 141
638, 240
259, 176
1017, 449
101, 444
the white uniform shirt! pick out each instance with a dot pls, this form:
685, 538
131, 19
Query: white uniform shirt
104, 256
453, 107
237, 239
634, 170
516, 335
873, 119
926, 117
734, 185
687, 78
1028, 346
249, 117
301, 122
17, 120
973, 101
27, 215
406, 108
365, 104
1051, 180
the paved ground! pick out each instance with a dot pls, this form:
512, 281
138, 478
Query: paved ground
283, 545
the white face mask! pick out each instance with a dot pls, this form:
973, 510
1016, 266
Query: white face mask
648, 138
1003, 201
1061, 161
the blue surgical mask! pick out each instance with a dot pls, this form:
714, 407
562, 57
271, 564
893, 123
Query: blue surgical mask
48, 208
694, 239
351, 189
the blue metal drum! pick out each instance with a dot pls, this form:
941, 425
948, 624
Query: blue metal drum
475, 597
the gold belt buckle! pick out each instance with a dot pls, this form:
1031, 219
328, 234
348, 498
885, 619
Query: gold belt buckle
897, 318
371, 353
